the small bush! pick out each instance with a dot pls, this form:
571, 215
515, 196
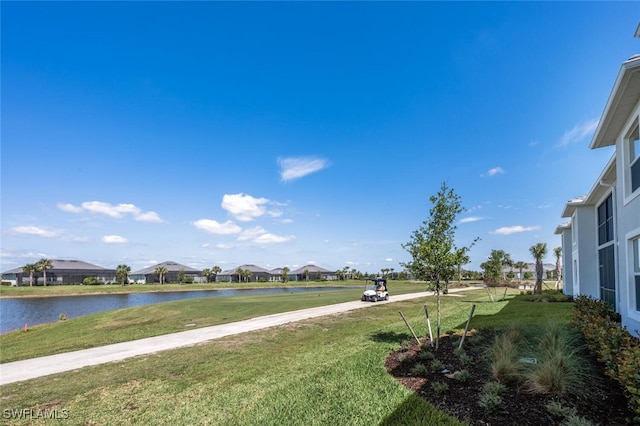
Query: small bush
463, 357
437, 365
426, 355
557, 409
461, 375
439, 387
403, 358
494, 388
575, 420
420, 370
62, 317
491, 403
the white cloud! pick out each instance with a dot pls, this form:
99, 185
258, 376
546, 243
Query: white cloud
388, 259
114, 239
286, 221
244, 207
213, 227
495, 171
251, 233
148, 217
579, 132
34, 230
272, 239
224, 246
292, 168
508, 230
115, 212
470, 219
69, 208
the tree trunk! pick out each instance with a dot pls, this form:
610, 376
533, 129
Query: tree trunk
539, 273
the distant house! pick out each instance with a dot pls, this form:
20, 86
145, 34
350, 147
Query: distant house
601, 240
62, 272
256, 273
276, 275
314, 273
148, 275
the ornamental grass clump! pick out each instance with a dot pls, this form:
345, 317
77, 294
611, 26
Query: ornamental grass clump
491, 397
559, 368
504, 355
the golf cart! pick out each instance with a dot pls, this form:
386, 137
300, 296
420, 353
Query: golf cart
375, 289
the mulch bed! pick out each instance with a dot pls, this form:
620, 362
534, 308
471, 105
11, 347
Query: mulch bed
604, 405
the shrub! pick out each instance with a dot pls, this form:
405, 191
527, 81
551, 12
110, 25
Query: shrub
439, 387
557, 409
419, 370
426, 355
463, 357
490, 402
494, 388
461, 375
612, 345
437, 365
90, 281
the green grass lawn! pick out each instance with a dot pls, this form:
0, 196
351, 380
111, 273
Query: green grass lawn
328, 370
127, 324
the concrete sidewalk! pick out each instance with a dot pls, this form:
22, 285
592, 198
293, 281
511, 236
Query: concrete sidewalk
37, 367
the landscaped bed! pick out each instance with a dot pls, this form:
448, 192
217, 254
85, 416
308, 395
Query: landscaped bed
603, 403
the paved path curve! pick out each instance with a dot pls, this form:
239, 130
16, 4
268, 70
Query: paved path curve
37, 367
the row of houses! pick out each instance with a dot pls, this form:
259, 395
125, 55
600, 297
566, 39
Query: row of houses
601, 239
75, 272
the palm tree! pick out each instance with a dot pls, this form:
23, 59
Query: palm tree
539, 251
461, 259
160, 271
42, 265
558, 252
506, 261
122, 273
30, 268
216, 270
306, 274
206, 272
285, 274
240, 274
520, 265
247, 274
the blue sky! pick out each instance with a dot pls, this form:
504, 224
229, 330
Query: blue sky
292, 133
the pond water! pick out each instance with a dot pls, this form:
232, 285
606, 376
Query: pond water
16, 312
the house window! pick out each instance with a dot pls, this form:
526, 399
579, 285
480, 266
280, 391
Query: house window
606, 252
605, 221
634, 158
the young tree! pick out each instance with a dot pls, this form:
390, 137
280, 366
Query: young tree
42, 266
30, 268
493, 267
181, 275
558, 252
306, 274
122, 274
539, 251
206, 273
432, 246
160, 271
